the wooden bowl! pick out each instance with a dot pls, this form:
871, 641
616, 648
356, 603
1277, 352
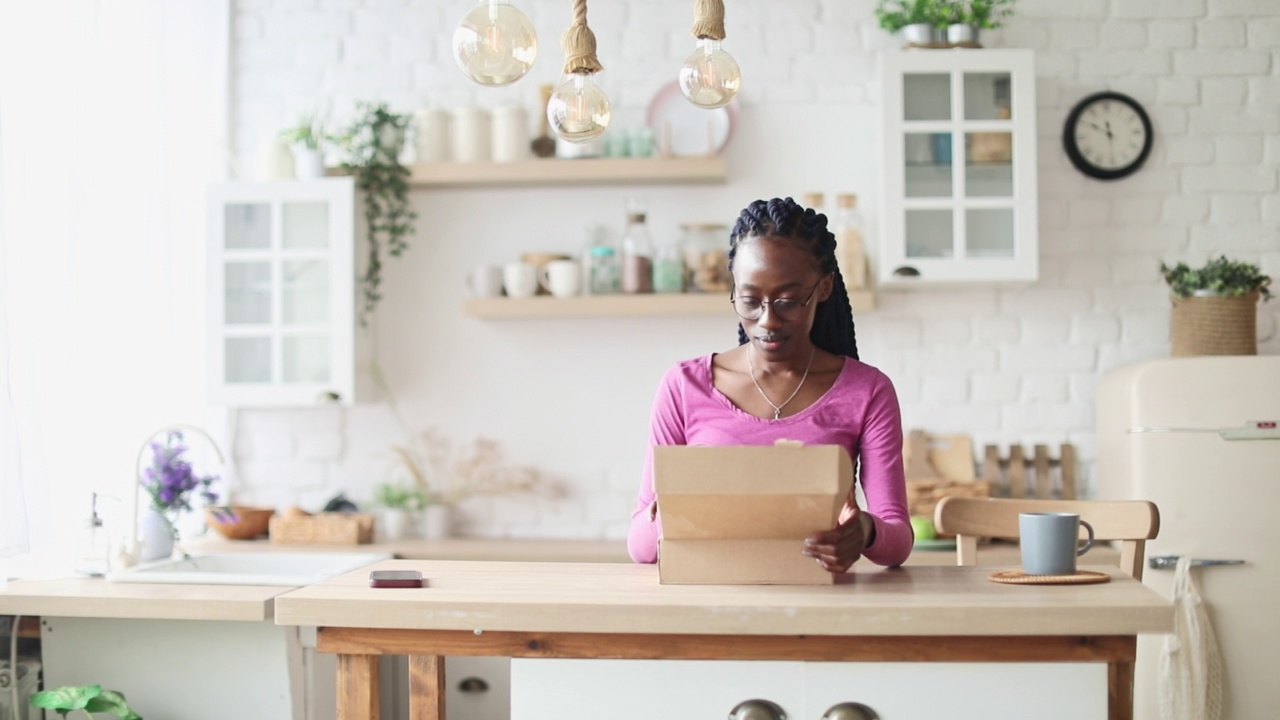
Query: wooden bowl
249, 522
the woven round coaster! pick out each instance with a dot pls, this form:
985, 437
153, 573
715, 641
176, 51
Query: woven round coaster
1081, 577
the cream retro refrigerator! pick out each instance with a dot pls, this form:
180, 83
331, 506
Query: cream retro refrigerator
1200, 437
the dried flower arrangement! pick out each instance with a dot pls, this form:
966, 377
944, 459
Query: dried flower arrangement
447, 475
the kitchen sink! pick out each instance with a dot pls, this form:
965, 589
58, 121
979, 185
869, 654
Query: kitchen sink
249, 568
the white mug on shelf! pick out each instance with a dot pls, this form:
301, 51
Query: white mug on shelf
485, 281
561, 278
520, 280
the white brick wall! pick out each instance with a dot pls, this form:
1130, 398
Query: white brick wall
572, 397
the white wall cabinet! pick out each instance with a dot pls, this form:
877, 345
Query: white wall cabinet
959, 168
644, 689
281, 274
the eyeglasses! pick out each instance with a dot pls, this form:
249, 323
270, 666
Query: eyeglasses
750, 308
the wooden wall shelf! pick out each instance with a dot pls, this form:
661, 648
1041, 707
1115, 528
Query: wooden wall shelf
682, 305
551, 171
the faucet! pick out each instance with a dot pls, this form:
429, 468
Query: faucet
128, 556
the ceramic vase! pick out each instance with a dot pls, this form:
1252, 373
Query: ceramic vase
155, 536
435, 523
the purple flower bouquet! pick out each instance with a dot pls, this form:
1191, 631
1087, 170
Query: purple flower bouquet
171, 483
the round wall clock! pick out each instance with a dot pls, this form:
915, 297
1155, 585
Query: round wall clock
1107, 136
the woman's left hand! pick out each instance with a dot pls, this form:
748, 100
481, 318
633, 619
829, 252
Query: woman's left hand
837, 550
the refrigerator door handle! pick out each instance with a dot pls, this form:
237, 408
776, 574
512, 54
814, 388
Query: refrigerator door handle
1169, 562
1251, 430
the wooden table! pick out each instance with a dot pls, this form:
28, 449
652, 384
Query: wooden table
583, 610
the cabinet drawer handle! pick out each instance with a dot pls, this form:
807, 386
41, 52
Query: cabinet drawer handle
906, 271
850, 711
757, 710
473, 685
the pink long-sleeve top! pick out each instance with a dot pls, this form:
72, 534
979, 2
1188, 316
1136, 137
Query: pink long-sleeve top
859, 412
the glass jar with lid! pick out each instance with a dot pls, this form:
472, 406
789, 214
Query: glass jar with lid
706, 256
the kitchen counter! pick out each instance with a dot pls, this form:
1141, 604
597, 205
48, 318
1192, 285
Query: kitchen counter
99, 598
95, 597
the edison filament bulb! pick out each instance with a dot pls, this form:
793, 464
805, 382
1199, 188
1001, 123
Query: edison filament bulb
710, 77
495, 43
579, 110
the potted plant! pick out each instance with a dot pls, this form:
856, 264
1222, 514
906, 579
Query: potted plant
373, 143
919, 22
1215, 307
307, 140
970, 17
87, 698
171, 484
398, 502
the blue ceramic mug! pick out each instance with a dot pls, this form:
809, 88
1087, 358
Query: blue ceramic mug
1050, 542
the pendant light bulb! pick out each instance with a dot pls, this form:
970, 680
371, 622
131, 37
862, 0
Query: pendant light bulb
495, 43
579, 110
710, 77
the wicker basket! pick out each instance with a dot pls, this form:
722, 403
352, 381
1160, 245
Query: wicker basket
323, 529
1215, 325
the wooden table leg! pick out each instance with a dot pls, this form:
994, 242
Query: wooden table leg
1120, 687
426, 687
358, 687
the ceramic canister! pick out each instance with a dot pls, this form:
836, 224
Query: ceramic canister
471, 135
510, 133
431, 135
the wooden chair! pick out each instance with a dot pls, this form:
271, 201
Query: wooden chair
1132, 522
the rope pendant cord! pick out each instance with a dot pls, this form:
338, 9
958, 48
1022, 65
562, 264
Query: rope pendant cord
579, 44
708, 19
777, 409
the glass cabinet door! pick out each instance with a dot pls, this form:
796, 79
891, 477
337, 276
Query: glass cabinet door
282, 264
959, 150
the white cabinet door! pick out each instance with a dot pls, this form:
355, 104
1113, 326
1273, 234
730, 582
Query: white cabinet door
960, 691
959, 163
281, 293
648, 689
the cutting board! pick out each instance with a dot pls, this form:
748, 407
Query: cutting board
938, 457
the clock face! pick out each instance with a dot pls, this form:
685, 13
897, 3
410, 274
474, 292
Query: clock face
1107, 136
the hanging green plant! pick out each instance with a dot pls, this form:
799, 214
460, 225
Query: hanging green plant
373, 142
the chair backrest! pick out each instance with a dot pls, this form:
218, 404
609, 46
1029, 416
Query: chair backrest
1131, 521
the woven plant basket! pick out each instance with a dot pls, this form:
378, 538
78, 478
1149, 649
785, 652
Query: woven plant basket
1215, 325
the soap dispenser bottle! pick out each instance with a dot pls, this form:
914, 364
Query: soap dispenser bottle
93, 545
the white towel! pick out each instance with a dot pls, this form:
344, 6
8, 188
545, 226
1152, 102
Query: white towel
1190, 666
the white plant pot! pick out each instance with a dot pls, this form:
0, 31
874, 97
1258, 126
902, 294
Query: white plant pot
435, 523
392, 523
308, 164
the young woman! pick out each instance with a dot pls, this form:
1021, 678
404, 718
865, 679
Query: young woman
795, 374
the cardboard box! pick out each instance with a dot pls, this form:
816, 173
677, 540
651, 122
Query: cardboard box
738, 515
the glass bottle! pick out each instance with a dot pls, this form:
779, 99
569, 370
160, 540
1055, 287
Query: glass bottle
637, 251
851, 253
599, 263
668, 269
93, 546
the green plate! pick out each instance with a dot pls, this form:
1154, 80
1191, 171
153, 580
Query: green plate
935, 544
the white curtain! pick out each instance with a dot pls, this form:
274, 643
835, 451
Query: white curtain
114, 116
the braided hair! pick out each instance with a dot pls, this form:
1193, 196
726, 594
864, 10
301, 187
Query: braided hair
833, 329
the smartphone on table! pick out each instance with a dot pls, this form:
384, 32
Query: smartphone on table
395, 579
